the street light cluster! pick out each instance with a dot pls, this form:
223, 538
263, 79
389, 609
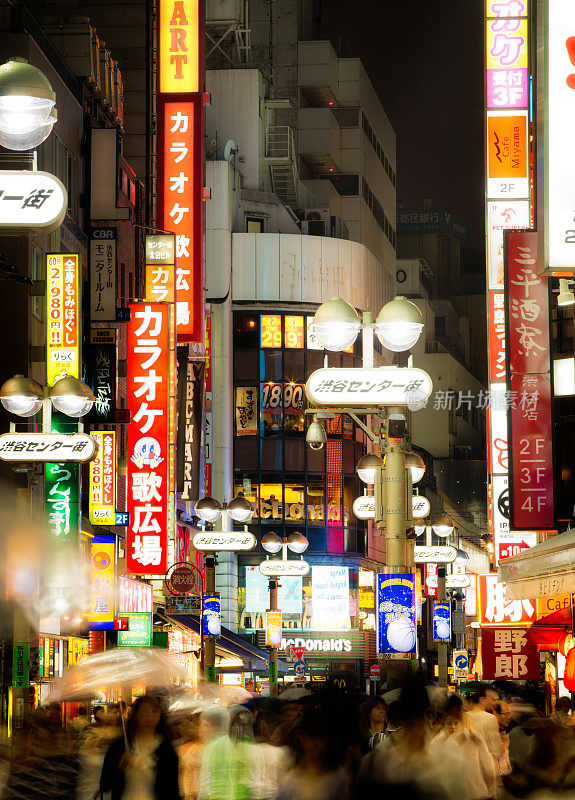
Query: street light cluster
24, 397
27, 106
239, 509
368, 465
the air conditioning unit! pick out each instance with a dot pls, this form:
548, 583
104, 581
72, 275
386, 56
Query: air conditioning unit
317, 214
314, 227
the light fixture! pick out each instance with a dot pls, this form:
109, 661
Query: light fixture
72, 397
336, 324
419, 529
297, 542
240, 509
462, 557
271, 542
367, 467
565, 296
490, 548
27, 112
417, 466
208, 509
21, 396
316, 436
443, 525
399, 324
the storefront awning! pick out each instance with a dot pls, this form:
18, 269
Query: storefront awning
542, 571
257, 658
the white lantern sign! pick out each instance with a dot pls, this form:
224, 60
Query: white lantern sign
31, 202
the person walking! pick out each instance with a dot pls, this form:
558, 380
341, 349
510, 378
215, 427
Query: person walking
372, 718
484, 722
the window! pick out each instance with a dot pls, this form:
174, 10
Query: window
254, 225
378, 212
346, 185
378, 149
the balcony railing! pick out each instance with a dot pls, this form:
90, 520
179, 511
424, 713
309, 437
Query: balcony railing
280, 143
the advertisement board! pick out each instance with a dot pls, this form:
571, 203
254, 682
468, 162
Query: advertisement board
140, 631
102, 495
396, 615
494, 610
330, 598
258, 595
441, 622
507, 654
103, 258
211, 615
102, 582
63, 317
273, 628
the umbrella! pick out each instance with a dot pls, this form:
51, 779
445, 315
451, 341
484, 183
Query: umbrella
150, 666
206, 696
294, 693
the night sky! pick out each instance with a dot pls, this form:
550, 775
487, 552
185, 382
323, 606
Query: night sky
425, 60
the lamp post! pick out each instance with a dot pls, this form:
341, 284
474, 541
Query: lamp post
210, 510
271, 543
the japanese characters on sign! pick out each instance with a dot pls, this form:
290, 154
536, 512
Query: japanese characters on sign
103, 257
396, 615
555, 155
497, 337
507, 155
147, 489
102, 374
276, 566
441, 621
376, 386
440, 554
21, 664
502, 215
494, 610
160, 248
74, 447
529, 359
224, 540
102, 500
507, 654
364, 507
247, 410
102, 582
460, 660
211, 615
139, 633
63, 317
273, 628
507, 76
31, 202
134, 596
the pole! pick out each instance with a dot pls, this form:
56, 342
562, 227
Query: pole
273, 676
441, 646
209, 640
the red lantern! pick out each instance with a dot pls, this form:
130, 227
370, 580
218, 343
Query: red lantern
566, 643
569, 679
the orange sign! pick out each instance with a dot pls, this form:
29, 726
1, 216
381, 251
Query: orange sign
271, 330
294, 333
62, 290
160, 283
549, 605
507, 145
494, 610
180, 52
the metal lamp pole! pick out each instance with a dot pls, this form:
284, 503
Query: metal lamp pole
273, 668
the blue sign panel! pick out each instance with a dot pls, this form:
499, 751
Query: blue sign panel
122, 518
211, 624
191, 604
299, 667
441, 622
396, 621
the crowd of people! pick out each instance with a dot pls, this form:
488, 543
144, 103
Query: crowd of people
422, 743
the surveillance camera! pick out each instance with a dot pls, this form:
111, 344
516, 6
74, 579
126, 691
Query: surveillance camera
316, 436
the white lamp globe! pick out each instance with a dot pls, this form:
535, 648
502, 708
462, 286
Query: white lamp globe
240, 509
399, 324
419, 529
297, 542
72, 397
367, 467
208, 509
417, 466
336, 324
462, 557
443, 526
21, 396
271, 542
26, 105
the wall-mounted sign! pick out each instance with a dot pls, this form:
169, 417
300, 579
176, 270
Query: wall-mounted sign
502, 215
507, 654
102, 582
330, 598
376, 386
148, 380
21, 665
139, 633
258, 594
324, 644
224, 540
441, 554
192, 604
75, 447
460, 663
273, 628
122, 518
102, 494
180, 46
246, 410
441, 621
191, 389
276, 566
101, 370
103, 258
63, 317
211, 615
420, 506
364, 507
31, 202
181, 579
507, 155
134, 596
451, 582
493, 608
396, 614
160, 248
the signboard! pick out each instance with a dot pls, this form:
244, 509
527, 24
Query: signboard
62, 492
396, 615
181, 579
103, 258
102, 582
257, 592
31, 202
441, 554
500, 512
63, 317
299, 668
502, 215
148, 378
180, 49
192, 604
191, 383
160, 248
276, 566
20, 665
101, 370
159, 284
507, 155
497, 335
441, 622
529, 359
364, 507
451, 582
122, 518
211, 615
134, 596
374, 672
74, 447
246, 410
224, 540
420, 506
273, 626
375, 386
516, 542
460, 665
139, 633
102, 496
507, 654
494, 609
320, 645
429, 573
330, 598
555, 157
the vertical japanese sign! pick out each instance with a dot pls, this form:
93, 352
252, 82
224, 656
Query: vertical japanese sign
494, 610
529, 367
148, 387
63, 318
507, 205
191, 378
63, 502
102, 506
396, 615
246, 410
507, 654
102, 582
160, 268
103, 260
208, 415
102, 374
556, 121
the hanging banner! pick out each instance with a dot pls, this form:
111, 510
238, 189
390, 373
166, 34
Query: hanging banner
103, 264
507, 654
211, 615
101, 369
529, 366
273, 628
396, 615
246, 410
62, 492
102, 582
148, 381
63, 317
441, 621
191, 389
102, 497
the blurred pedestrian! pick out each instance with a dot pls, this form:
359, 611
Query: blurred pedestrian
484, 722
189, 754
372, 719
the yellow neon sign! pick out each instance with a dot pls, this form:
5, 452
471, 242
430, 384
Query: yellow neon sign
179, 47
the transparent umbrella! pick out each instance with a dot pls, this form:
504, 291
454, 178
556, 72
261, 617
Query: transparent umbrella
191, 701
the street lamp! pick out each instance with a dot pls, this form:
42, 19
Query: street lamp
27, 106
443, 526
271, 543
416, 465
25, 397
72, 397
21, 396
239, 509
368, 466
336, 324
399, 325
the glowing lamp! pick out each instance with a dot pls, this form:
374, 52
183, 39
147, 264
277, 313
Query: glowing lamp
336, 324
367, 467
399, 324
